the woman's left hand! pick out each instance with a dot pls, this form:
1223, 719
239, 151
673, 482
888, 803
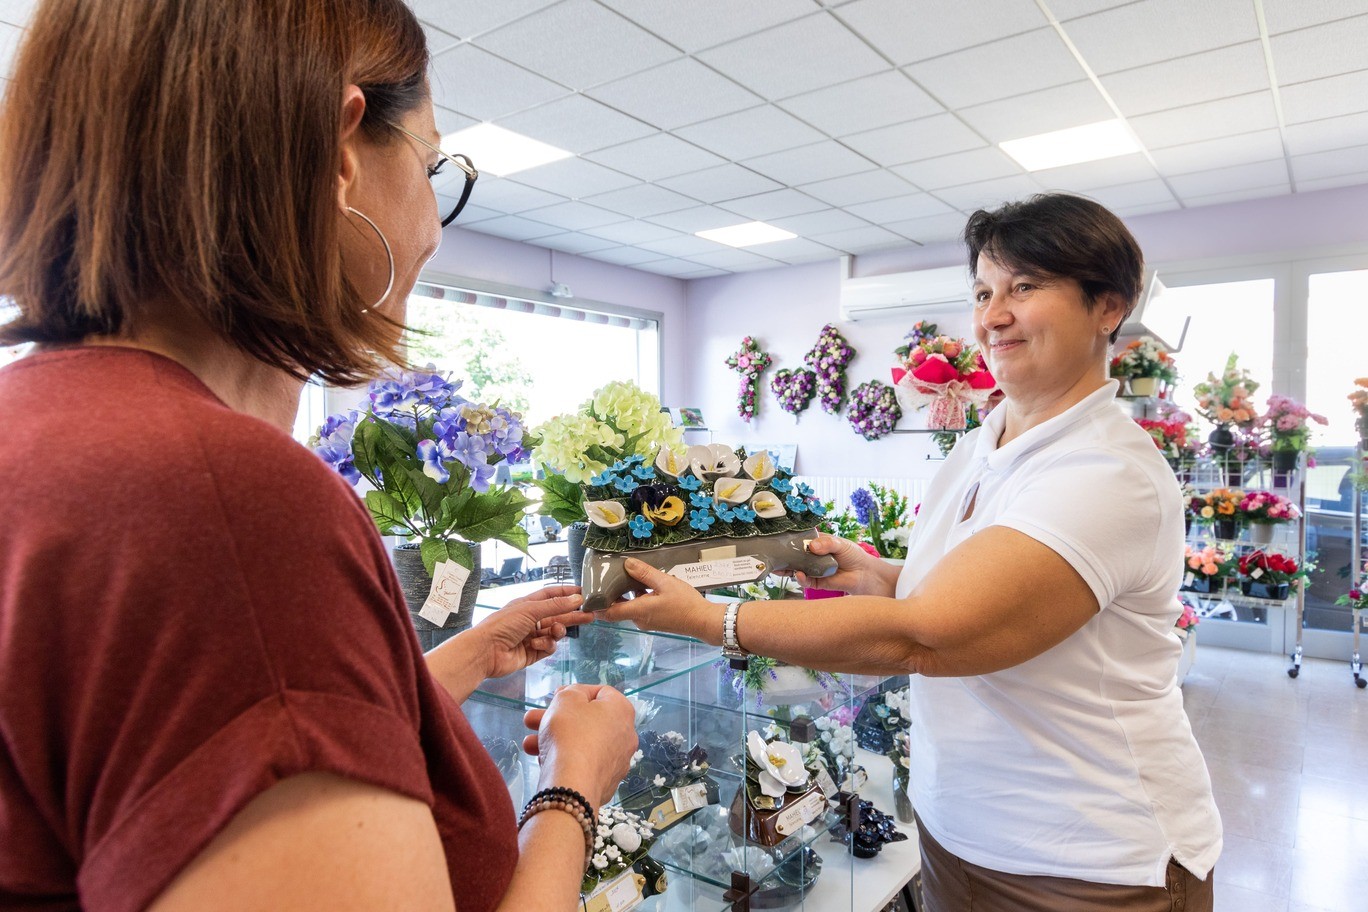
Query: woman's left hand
527, 629
671, 605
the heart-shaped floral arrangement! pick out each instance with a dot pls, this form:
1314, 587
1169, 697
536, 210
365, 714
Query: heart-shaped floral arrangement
794, 389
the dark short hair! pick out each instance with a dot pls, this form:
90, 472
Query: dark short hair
183, 155
1064, 236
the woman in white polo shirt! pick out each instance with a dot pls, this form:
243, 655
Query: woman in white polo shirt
1053, 764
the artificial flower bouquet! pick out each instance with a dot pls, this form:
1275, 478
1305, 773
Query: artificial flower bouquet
668, 781
874, 409
828, 360
1170, 435
710, 491
750, 362
1288, 424
780, 795
1188, 620
621, 841
1356, 599
1228, 399
1270, 575
1205, 569
619, 421
1359, 400
429, 455
946, 373
1265, 508
881, 718
1213, 506
1144, 357
884, 517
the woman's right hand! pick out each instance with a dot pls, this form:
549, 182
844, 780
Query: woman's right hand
857, 571
585, 740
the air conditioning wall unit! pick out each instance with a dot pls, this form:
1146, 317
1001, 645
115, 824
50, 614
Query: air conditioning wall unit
903, 294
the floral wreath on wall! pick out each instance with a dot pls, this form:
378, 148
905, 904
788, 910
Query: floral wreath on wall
874, 409
794, 389
828, 360
750, 362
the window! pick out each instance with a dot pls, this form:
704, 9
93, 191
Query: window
1226, 317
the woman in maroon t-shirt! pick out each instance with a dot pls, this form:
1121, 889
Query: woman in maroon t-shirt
213, 699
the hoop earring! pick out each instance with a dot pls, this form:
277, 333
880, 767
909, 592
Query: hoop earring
389, 255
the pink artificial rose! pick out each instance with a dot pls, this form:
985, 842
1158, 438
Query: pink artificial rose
918, 356
952, 349
935, 370
982, 380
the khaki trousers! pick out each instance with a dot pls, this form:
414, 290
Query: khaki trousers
950, 884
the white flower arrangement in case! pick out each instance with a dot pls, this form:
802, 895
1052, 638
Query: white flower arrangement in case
620, 841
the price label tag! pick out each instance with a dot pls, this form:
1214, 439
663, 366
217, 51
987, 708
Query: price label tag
707, 574
1189, 579
826, 783
1256, 573
444, 598
623, 894
690, 797
796, 816
856, 780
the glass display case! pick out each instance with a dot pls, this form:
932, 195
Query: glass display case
748, 775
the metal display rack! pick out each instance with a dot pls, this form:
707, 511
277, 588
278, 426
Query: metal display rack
1356, 572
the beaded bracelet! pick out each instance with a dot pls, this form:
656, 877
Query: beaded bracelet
568, 800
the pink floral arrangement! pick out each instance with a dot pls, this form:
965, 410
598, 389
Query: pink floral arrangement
1288, 423
945, 373
1209, 561
1188, 619
1266, 507
750, 362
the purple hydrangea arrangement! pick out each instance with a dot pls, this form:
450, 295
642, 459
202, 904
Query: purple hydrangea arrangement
750, 362
874, 410
828, 359
429, 457
794, 389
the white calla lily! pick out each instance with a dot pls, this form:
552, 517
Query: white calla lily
759, 466
767, 504
671, 462
733, 490
606, 514
781, 764
714, 460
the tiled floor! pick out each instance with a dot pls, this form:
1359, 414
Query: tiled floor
1289, 765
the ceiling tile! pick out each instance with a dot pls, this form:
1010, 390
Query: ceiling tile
1286, 15
863, 104
1145, 209
735, 259
795, 57
624, 256
680, 269
574, 216
677, 93
862, 240
858, 188
1217, 153
909, 32
654, 157
929, 137
702, 24
1321, 51
959, 168
1322, 135
515, 228
1330, 164
480, 85
448, 121
575, 178
1236, 196
1208, 120
1326, 183
806, 164
823, 222
468, 18
931, 229
1108, 39
725, 182
796, 250
701, 218
1122, 169
642, 200
1039, 112
990, 193
579, 44
682, 245
635, 233
577, 124
914, 205
1234, 70
575, 242
775, 204
469, 214
509, 196
1228, 180
1065, 10
17, 12
746, 134
438, 40
1322, 98
993, 71
1150, 192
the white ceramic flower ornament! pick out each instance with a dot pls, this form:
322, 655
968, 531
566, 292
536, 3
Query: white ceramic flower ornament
733, 490
712, 461
606, 514
781, 764
759, 466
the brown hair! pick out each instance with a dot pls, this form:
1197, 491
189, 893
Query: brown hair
183, 155
1065, 236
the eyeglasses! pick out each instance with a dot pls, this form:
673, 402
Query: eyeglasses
461, 161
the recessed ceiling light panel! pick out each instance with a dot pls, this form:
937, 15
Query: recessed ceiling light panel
746, 235
500, 152
1090, 142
